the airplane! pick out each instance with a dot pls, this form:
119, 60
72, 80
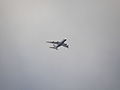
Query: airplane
58, 44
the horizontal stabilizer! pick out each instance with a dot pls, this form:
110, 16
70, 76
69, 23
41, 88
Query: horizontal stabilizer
53, 48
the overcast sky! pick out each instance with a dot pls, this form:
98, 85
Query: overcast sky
92, 28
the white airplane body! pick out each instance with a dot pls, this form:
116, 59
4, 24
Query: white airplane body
58, 44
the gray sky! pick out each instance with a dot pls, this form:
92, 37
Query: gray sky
92, 28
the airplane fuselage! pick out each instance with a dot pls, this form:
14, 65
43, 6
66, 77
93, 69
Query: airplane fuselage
61, 43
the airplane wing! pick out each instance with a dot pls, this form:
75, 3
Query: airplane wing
65, 45
53, 42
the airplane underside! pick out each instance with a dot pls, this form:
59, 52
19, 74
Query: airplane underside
58, 44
